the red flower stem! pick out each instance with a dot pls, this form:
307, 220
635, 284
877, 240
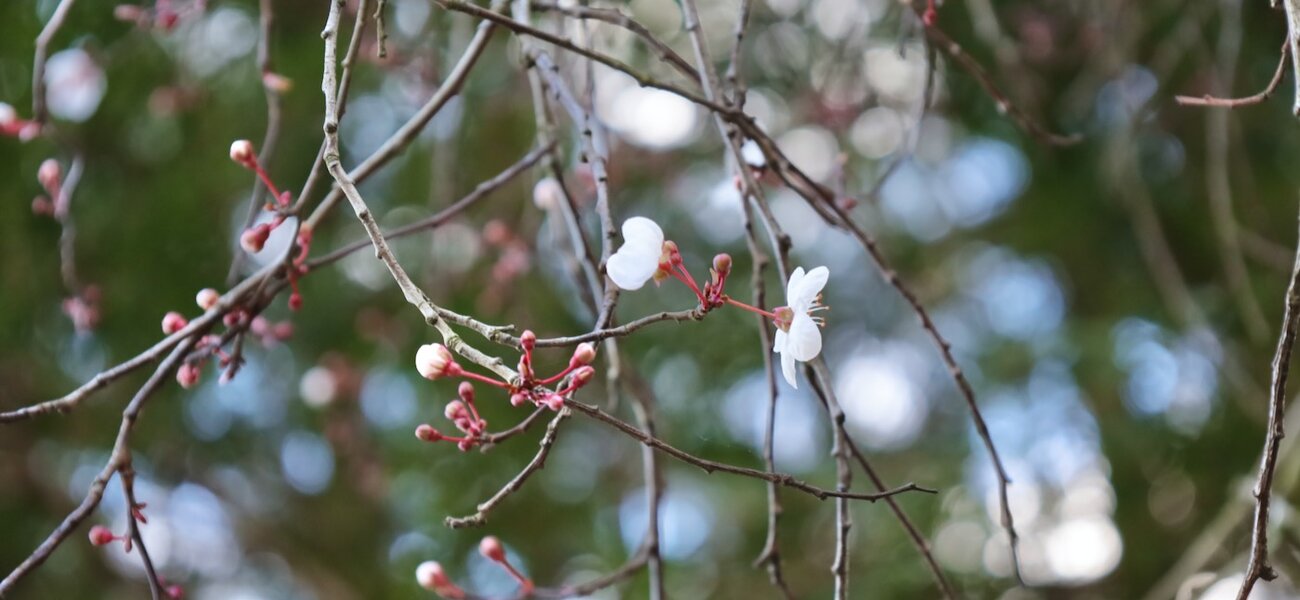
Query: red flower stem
266, 179
690, 284
558, 376
524, 582
482, 379
753, 309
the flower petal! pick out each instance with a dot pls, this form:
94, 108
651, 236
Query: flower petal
630, 269
808, 287
787, 369
792, 286
643, 234
778, 344
805, 340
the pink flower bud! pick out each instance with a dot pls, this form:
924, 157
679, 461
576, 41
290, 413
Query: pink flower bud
101, 536
49, 174
259, 325
241, 151
282, 330
672, 253
465, 391
528, 340
582, 375
491, 549
175, 592
518, 399
173, 322
431, 577
427, 433
455, 410
42, 206
254, 238
295, 301
554, 402
722, 264
207, 298
496, 233
465, 445
434, 361
276, 82
187, 375
584, 354
129, 13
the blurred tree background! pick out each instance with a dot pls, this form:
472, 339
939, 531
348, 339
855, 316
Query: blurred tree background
1115, 303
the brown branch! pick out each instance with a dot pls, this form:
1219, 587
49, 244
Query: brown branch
1003, 102
1265, 94
618, 18
102, 379
119, 458
126, 475
539, 460
1258, 567
481, 191
710, 467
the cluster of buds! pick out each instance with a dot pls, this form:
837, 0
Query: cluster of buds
13, 126
270, 333
464, 415
253, 239
431, 576
435, 361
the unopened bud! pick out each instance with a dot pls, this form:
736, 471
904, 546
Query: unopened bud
455, 410
42, 206
466, 392
207, 298
187, 375
582, 375
254, 238
128, 12
496, 233
433, 361
276, 82
722, 264
7, 114
427, 433
173, 322
518, 399
295, 301
491, 549
528, 340
241, 151
49, 174
175, 592
584, 354
554, 402
282, 330
431, 576
101, 536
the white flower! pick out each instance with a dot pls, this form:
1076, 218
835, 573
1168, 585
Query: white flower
753, 155
800, 338
638, 260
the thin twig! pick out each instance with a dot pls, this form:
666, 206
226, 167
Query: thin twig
1265, 94
119, 457
539, 460
39, 112
1259, 567
711, 467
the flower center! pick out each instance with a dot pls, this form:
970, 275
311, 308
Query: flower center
784, 317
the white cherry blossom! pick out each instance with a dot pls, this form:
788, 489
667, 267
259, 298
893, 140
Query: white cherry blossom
639, 258
799, 336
